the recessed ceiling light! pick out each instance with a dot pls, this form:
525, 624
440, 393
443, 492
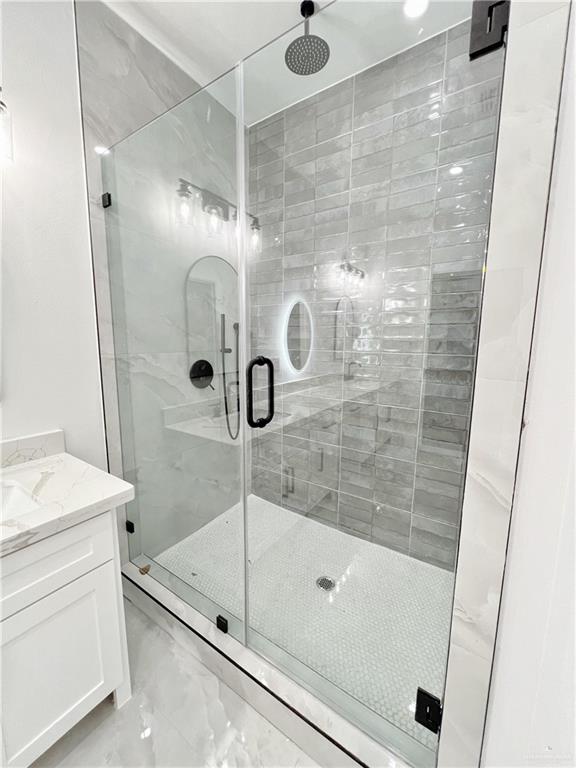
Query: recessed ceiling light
456, 170
415, 8
101, 150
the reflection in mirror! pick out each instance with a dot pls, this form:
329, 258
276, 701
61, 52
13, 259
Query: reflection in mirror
211, 291
213, 331
299, 335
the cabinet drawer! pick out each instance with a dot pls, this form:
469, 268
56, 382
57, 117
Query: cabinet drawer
35, 571
60, 657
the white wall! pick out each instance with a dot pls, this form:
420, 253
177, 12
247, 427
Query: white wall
51, 372
531, 718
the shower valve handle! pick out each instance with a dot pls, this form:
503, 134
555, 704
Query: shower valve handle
264, 420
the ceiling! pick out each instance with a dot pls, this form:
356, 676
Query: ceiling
209, 38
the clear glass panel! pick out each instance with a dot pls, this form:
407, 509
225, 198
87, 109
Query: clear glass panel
371, 184
173, 266
364, 228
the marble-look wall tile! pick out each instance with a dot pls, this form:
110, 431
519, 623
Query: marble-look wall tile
125, 83
531, 89
145, 332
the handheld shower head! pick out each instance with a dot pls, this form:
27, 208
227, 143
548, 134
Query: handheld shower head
308, 53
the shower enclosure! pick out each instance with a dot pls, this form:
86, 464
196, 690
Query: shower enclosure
296, 268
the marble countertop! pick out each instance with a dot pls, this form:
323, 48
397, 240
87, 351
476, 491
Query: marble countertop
48, 495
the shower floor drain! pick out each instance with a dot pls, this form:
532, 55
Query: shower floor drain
325, 583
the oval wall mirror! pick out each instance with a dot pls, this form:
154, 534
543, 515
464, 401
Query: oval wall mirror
211, 296
299, 335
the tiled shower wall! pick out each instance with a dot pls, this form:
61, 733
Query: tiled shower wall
391, 172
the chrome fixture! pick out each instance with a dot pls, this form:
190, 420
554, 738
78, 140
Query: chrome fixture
212, 204
348, 269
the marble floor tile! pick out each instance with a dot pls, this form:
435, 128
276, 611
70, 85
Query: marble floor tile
180, 714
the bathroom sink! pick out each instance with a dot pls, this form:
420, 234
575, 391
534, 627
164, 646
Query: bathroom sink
16, 500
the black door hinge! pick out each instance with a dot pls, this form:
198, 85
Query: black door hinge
106, 200
222, 623
489, 26
130, 526
428, 710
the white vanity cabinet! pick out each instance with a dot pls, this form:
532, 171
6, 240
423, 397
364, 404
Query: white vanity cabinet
62, 635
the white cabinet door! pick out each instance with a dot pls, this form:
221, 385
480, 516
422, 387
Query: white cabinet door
59, 658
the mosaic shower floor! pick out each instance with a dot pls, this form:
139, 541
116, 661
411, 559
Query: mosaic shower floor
378, 635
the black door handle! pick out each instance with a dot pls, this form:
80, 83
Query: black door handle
261, 422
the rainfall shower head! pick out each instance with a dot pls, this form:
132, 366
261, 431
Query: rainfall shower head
307, 54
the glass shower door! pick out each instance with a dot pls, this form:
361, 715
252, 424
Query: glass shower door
330, 469
173, 267
370, 182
